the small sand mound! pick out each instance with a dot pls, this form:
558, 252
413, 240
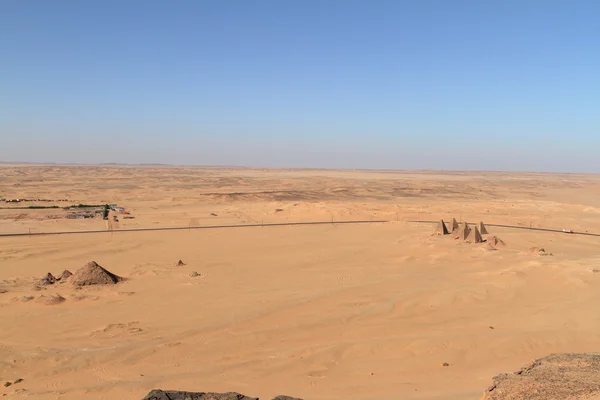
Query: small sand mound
556, 377
65, 274
120, 329
50, 300
540, 251
22, 299
489, 247
180, 263
93, 274
495, 241
48, 279
80, 297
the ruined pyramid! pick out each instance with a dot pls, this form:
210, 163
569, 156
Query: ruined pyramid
65, 275
496, 241
453, 225
474, 236
440, 228
93, 274
463, 231
482, 229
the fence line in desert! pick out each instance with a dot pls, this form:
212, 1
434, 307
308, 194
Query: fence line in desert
332, 222
189, 227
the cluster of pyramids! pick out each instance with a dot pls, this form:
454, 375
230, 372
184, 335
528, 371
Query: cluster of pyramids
462, 231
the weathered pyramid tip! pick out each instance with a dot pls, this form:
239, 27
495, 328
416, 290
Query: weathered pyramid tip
482, 228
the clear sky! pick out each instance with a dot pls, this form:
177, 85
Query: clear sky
420, 84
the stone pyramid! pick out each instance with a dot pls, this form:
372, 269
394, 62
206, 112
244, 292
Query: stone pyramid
453, 225
482, 229
474, 236
440, 228
463, 231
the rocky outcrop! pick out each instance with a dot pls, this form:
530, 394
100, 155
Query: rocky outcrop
48, 279
178, 395
556, 377
286, 398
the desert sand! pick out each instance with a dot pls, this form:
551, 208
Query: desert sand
370, 311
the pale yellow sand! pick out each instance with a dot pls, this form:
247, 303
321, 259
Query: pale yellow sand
320, 312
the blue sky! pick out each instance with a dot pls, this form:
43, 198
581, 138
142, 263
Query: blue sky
484, 85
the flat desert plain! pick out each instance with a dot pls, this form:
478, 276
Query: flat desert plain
358, 311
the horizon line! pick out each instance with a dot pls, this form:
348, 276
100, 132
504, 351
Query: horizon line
217, 166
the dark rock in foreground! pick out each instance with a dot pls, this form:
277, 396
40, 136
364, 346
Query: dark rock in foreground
556, 377
178, 395
286, 398
48, 279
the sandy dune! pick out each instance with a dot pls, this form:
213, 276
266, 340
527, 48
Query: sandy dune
319, 312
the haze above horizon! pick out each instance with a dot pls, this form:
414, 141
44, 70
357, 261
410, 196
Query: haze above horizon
463, 85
